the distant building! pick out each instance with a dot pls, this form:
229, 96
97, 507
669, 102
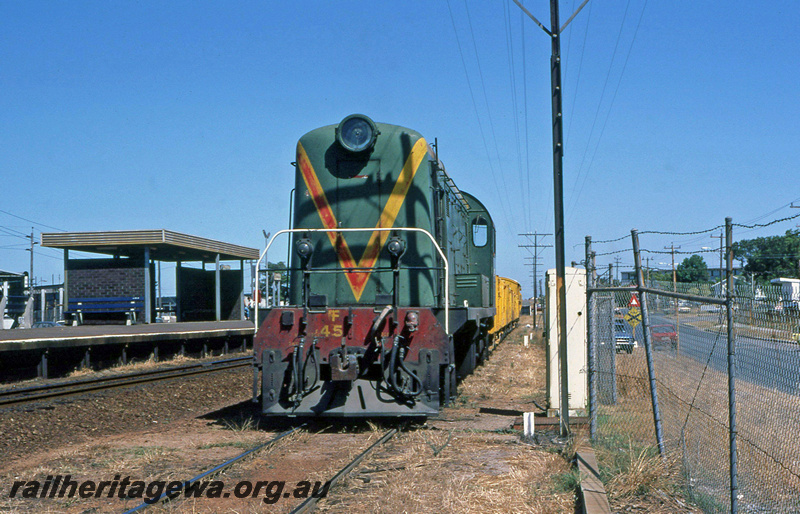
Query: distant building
790, 288
12, 294
713, 274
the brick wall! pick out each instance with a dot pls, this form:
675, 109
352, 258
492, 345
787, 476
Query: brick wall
104, 278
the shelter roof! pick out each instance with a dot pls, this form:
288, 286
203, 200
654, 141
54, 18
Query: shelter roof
165, 245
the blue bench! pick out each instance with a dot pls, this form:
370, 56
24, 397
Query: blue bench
129, 305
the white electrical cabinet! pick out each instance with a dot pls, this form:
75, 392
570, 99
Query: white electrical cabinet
575, 281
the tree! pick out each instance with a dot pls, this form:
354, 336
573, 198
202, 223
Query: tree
692, 269
771, 257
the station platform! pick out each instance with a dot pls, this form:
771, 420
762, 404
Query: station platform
43, 352
93, 335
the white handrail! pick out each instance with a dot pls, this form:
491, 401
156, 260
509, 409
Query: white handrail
403, 229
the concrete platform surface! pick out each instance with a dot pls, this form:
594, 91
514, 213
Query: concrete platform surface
90, 335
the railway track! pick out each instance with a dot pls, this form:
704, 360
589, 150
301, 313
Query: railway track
310, 502
17, 396
217, 469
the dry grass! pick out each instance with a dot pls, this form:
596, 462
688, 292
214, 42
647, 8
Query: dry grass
462, 467
173, 458
694, 410
514, 375
438, 471
80, 373
146, 365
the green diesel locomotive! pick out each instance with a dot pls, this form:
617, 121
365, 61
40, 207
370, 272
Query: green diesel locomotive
392, 280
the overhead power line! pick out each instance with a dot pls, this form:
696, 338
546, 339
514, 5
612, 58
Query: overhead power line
503, 207
31, 221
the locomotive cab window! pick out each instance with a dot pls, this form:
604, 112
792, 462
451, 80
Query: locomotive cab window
480, 231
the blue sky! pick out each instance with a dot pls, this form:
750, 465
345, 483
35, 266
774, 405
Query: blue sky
185, 115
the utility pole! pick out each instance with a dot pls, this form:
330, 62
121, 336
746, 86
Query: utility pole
672, 248
536, 245
30, 276
534, 263
558, 196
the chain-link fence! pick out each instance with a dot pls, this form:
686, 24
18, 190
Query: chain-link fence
691, 364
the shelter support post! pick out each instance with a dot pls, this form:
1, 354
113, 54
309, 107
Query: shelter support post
178, 314
148, 280
217, 290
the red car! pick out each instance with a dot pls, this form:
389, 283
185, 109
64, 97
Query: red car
661, 334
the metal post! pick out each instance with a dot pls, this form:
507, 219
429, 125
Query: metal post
217, 290
30, 277
731, 367
148, 280
178, 314
558, 208
60, 308
289, 241
65, 299
43, 365
613, 353
158, 297
591, 350
3, 303
241, 292
647, 345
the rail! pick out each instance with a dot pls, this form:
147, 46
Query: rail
15, 396
311, 501
216, 469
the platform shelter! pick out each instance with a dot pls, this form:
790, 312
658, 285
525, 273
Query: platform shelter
121, 284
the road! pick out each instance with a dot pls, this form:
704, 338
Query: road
767, 363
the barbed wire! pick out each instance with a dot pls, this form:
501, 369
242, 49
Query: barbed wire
611, 240
699, 232
670, 252
613, 253
762, 225
663, 233
696, 233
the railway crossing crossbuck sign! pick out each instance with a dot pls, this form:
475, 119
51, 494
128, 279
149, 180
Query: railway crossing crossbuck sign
633, 316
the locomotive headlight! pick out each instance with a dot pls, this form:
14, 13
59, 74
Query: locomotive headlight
356, 133
304, 248
396, 247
